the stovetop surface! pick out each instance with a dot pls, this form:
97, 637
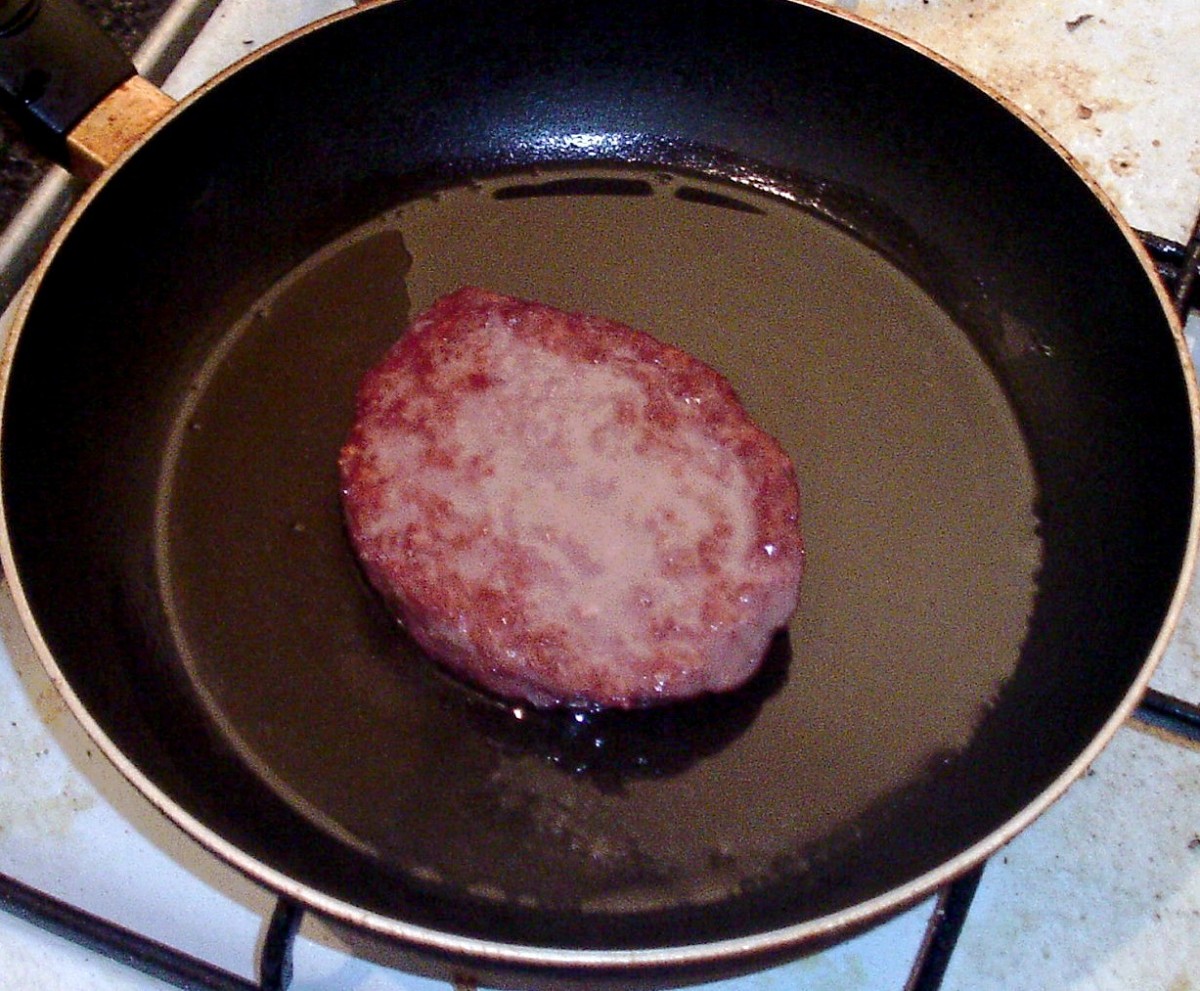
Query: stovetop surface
1102, 893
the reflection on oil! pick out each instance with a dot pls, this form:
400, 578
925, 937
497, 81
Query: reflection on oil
918, 515
709, 197
610, 748
575, 186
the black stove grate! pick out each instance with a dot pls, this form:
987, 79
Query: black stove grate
182, 970
1171, 714
149, 956
1178, 265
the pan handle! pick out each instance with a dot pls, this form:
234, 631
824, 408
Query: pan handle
76, 93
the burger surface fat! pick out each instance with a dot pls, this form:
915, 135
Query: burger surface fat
566, 511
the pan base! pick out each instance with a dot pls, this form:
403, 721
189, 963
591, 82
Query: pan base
923, 554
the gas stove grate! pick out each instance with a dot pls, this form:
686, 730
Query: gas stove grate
1174, 715
149, 956
182, 970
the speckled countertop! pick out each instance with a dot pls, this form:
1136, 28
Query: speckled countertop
1101, 894
1112, 80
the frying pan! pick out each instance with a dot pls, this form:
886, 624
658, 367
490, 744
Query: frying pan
966, 352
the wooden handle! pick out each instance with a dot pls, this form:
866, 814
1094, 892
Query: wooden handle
114, 125
56, 67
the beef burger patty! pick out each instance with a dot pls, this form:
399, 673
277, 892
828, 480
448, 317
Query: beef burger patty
566, 511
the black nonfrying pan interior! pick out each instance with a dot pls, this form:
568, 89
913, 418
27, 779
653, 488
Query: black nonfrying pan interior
953, 337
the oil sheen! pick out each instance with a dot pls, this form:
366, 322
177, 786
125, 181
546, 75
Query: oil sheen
918, 516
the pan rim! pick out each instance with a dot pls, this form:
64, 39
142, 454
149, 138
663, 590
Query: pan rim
729, 950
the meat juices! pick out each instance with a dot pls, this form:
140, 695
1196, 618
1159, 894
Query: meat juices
565, 511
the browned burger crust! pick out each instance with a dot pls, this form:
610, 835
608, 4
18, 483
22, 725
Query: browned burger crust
566, 511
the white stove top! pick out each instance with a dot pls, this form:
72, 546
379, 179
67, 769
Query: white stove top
1102, 893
